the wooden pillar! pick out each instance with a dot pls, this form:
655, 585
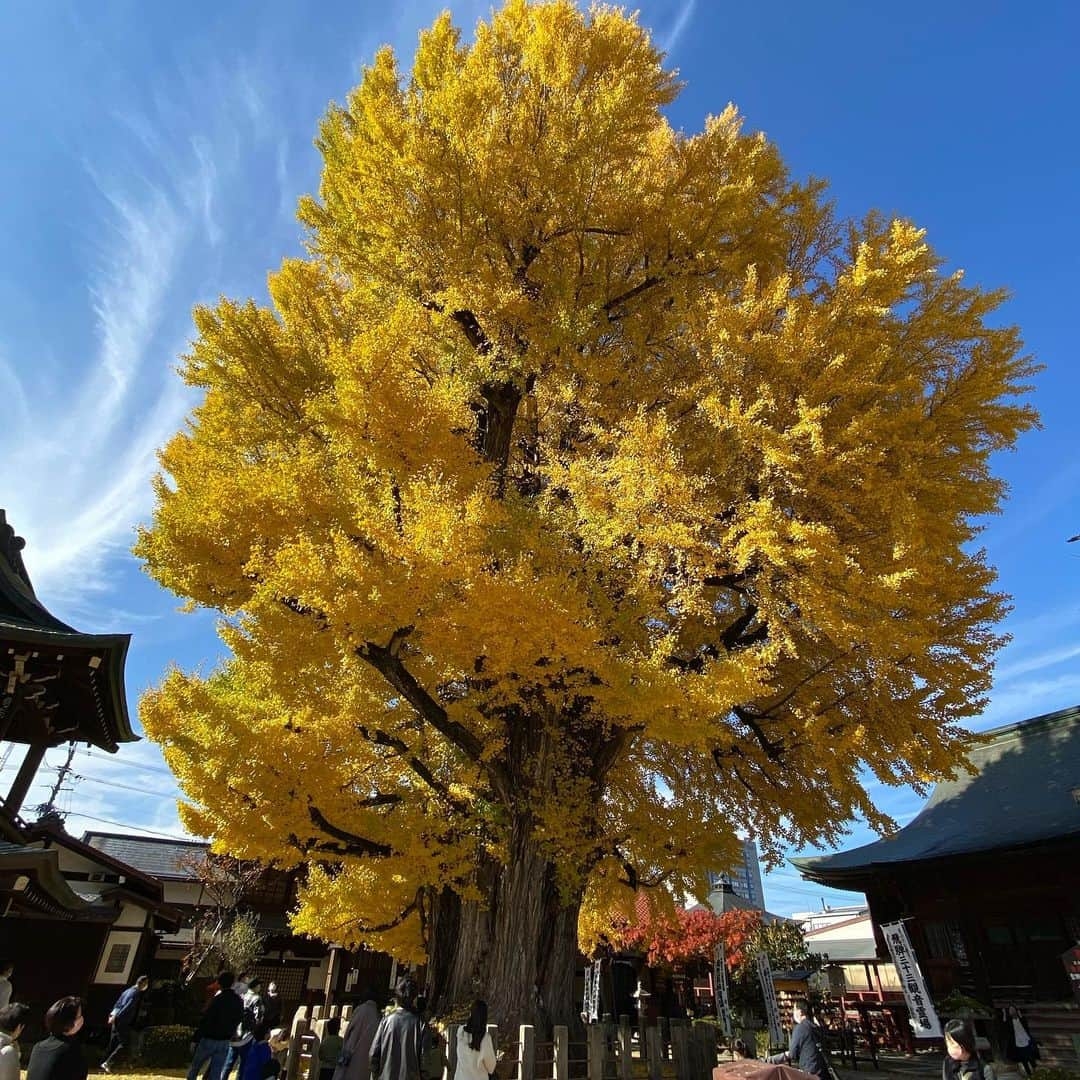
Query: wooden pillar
526, 1052
333, 973
561, 1052
626, 1049
655, 1050
20, 788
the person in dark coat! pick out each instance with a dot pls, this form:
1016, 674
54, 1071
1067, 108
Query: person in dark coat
272, 1005
216, 1030
60, 1057
398, 1046
804, 1050
122, 1019
1019, 1045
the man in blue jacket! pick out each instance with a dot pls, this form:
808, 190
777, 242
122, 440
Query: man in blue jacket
122, 1018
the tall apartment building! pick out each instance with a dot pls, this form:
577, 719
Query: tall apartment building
744, 878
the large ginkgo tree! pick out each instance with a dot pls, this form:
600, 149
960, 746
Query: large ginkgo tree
589, 492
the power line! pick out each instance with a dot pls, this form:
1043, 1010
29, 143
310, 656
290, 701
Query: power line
126, 787
132, 765
136, 828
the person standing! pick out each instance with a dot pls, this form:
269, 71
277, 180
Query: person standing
7, 968
1019, 1045
330, 1047
259, 1063
59, 1056
475, 1051
804, 1050
397, 1047
253, 1016
12, 1021
962, 1061
216, 1029
355, 1060
122, 1019
272, 1002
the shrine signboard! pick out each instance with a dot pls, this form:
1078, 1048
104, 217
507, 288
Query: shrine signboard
1071, 960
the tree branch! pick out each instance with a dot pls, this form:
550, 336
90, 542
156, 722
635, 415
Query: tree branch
774, 749
381, 738
353, 844
391, 668
381, 928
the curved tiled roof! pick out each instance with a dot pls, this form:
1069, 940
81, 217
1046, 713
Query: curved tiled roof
1025, 790
159, 858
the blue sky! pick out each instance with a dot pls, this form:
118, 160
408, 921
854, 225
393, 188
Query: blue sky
153, 154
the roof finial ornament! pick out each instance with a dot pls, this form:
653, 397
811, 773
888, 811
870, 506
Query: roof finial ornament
11, 547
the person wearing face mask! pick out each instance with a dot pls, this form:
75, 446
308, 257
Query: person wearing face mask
60, 1056
962, 1060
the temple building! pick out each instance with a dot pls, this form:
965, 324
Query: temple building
72, 919
987, 877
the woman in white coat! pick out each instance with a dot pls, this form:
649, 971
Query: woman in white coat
475, 1051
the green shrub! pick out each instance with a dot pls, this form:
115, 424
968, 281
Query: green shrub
1051, 1072
761, 1041
168, 1046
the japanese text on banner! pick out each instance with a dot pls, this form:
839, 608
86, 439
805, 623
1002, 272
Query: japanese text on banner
924, 1019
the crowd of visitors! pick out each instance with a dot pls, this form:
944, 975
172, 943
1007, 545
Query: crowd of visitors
238, 1033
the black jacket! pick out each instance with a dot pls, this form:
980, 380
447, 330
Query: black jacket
56, 1058
222, 1017
972, 1069
805, 1051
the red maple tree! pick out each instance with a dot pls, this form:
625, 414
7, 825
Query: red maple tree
690, 935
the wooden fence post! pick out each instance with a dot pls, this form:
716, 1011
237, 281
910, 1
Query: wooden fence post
561, 1052
655, 1051
318, 1027
526, 1052
595, 1047
626, 1049
679, 1054
451, 1050
296, 1044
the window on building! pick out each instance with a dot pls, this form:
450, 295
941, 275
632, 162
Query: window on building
855, 977
116, 963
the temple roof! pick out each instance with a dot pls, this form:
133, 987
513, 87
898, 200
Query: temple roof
1025, 791
163, 859
57, 685
31, 880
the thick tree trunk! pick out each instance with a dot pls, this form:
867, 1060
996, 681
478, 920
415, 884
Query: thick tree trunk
517, 950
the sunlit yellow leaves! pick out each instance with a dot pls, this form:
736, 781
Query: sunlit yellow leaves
710, 561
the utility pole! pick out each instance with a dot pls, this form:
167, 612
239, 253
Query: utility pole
49, 808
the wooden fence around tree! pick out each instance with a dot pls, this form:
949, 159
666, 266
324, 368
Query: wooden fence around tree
678, 1051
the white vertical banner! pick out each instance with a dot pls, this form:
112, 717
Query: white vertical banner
924, 1018
720, 989
772, 1006
592, 992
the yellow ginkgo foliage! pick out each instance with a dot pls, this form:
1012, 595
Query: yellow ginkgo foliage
588, 494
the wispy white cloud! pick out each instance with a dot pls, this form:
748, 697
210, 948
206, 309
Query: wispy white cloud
173, 167
685, 13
